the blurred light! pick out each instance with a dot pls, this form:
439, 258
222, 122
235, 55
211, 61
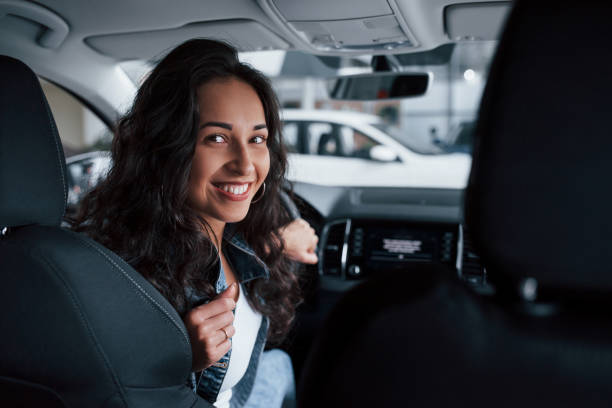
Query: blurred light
469, 75
268, 62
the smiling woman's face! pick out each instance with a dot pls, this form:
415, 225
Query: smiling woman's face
231, 159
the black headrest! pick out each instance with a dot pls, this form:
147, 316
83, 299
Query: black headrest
32, 166
539, 202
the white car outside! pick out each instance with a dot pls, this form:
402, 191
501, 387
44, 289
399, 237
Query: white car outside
84, 172
385, 163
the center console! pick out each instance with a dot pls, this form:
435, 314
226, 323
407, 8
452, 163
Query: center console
353, 249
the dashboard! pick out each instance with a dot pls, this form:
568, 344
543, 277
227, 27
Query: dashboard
367, 230
364, 230
355, 248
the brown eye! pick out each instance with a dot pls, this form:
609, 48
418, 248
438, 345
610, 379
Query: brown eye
216, 138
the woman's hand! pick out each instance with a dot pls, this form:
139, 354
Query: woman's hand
210, 329
300, 241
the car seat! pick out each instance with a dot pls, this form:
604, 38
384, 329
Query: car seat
80, 327
538, 208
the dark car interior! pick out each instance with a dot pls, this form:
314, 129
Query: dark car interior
91, 331
539, 219
499, 295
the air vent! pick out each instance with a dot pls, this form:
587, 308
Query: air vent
333, 250
471, 269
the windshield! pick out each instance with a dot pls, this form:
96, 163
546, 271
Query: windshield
396, 133
434, 131
420, 141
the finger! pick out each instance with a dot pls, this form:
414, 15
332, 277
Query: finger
215, 323
213, 308
230, 292
218, 352
223, 348
223, 334
308, 258
230, 330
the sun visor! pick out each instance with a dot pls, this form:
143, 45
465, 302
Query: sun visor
476, 21
245, 35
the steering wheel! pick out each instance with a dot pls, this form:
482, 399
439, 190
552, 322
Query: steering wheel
289, 205
294, 213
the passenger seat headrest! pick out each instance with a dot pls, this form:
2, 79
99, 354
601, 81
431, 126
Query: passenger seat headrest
32, 167
539, 199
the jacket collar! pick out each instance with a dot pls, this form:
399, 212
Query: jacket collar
247, 265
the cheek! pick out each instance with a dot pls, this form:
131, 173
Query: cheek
263, 165
198, 176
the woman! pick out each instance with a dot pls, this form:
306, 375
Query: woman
191, 202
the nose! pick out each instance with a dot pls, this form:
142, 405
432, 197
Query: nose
241, 163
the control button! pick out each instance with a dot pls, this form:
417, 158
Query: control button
354, 270
332, 271
473, 280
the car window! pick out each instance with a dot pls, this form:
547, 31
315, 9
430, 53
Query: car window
80, 129
322, 139
290, 136
422, 127
356, 144
84, 172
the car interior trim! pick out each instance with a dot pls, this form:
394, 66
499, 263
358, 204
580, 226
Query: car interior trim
138, 45
325, 242
317, 32
344, 256
55, 29
475, 21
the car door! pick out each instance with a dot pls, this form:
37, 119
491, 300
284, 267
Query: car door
339, 154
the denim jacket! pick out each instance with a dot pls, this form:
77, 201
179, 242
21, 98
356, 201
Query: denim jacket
247, 266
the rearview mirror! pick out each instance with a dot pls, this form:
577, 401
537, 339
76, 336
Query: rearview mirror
379, 85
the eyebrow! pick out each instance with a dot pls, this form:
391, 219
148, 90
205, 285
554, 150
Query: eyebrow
217, 124
229, 126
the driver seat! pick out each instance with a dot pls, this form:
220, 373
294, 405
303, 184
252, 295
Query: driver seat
538, 209
80, 327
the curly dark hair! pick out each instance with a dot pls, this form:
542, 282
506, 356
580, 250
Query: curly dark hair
141, 212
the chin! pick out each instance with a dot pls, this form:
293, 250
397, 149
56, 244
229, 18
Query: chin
234, 216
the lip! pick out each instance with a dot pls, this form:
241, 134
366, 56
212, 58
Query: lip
233, 197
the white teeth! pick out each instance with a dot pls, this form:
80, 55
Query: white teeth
234, 189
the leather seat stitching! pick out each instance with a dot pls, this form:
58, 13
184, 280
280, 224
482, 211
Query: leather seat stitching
85, 323
140, 288
54, 136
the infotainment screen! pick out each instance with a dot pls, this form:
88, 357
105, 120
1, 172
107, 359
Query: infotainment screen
394, 246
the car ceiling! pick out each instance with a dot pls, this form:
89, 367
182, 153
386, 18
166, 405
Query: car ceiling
102, 33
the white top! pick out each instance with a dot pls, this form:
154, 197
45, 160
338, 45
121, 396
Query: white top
246, 323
